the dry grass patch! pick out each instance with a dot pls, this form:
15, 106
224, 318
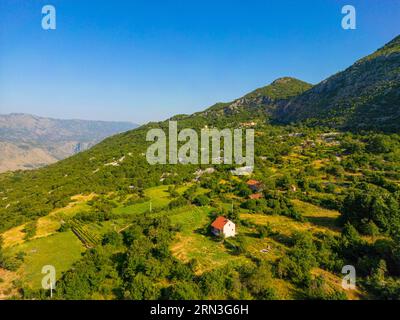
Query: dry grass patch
13, 236
284, 289
6, 284
283, 225
318, 164
335, 282
47, 225
274, 249
83, 197
316, 215
209, 254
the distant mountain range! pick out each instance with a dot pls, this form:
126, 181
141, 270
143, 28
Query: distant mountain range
28, 141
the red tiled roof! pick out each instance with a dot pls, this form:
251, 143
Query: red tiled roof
219, 223
256, 196
252, 182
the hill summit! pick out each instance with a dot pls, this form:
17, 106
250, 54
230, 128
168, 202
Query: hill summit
281, 88
261, 102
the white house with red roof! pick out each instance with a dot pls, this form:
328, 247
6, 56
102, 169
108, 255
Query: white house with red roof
223, 226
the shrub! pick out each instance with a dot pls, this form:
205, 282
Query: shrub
201, 200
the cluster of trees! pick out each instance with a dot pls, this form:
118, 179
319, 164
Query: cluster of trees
372, 210
137, 264
273, 203
376, 263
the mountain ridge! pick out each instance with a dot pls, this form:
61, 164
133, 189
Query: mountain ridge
30, 141
364, 96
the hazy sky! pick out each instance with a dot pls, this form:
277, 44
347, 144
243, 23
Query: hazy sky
147, 60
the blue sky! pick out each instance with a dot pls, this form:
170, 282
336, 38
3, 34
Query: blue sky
147, 60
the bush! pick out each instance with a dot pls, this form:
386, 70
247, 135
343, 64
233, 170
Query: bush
112, 238
380, 144
264, 231
64, 227
318, 290
259, 282
30, 230
178, 202
182, 291
201, 200
300, 259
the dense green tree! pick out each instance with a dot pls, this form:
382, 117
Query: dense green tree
183, 291
299, 261
371, 204
201, 200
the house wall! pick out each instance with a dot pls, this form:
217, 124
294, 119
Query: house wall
229, 229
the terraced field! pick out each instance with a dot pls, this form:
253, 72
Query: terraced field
88, 239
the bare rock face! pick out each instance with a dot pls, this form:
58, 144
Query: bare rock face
29, 142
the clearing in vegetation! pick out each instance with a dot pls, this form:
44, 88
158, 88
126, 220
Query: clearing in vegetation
60, 250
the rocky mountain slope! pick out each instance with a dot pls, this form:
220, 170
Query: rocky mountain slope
364, 96
263, 100
28, 141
